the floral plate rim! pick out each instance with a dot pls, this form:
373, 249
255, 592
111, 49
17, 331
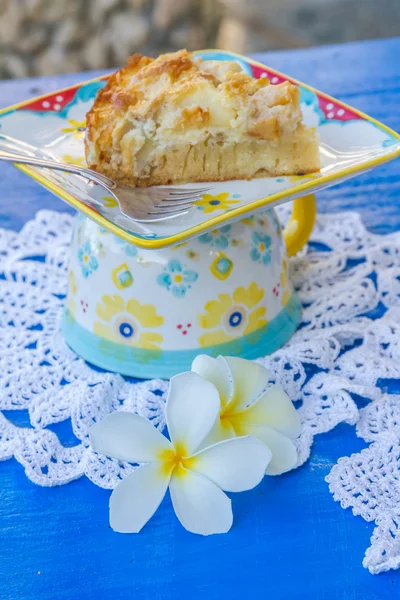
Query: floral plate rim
229, 215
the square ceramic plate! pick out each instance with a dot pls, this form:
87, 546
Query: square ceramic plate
350, 143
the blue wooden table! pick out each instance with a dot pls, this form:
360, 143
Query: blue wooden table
290, 540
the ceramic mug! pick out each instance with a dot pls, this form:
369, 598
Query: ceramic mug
149, 313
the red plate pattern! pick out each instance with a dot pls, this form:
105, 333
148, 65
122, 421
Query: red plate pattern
330, 108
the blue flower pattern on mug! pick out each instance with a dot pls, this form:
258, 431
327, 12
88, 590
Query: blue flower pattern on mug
218, 238
88, 260
261, 251
176, 278
127, 247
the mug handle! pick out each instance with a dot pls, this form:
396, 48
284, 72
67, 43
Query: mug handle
300, 225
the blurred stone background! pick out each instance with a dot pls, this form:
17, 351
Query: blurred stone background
45, 37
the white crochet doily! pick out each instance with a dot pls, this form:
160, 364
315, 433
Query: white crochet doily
347, 280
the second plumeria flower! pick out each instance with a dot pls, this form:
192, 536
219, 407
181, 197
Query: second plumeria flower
248, 408
195, 478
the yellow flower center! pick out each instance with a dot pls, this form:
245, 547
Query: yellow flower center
175, 461
262, 246
178, 278
85, 258
231, 418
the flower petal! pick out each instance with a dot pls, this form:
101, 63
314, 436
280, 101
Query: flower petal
179, 291
191, 410
249, 380
256, 321
284, 453
199, 504
267, 258
221, 242
127, 436
205, 239
221, 430
286, 297
174, 266
190, 276
164, 279
135, 500
215, 310
110, 306
250, 296
212, 338
233, 465
275, 409
146, 314
104, 331
149, 340
215, 371
255, 255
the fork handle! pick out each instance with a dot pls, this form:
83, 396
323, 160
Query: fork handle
58, 166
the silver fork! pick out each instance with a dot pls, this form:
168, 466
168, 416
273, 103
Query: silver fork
145, 205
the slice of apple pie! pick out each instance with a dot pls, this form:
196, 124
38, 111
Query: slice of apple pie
179, 119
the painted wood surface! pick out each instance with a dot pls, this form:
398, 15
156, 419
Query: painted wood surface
290, 539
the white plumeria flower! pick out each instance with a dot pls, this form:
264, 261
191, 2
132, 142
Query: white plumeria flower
246, 409
195, 478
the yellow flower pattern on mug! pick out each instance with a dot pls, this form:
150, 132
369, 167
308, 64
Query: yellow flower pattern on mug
71, 305
76, 128
251, 220
72, 283
286, 292
231, 317
72, 290
128, 323
208, 203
